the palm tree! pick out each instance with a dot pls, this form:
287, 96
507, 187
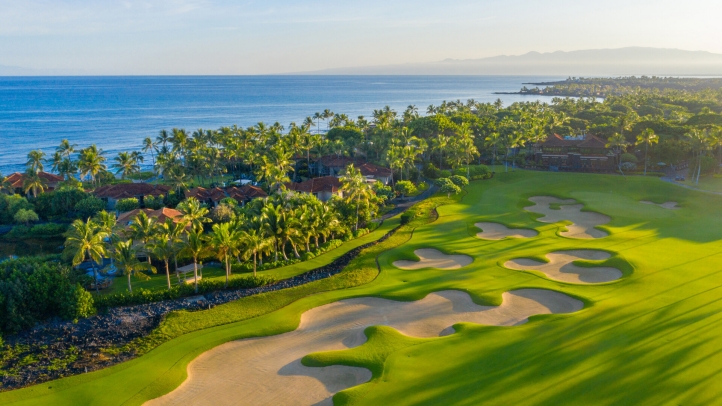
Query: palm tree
318, 117
126, 260
195, 246
106, 222
143, 229
492, 141
193, 213
5, 186
86, 241
254, 243
33, 182
647, 137
355, 188
163, 138
224, 239
35, 160
126, 164
617, 143
91, 162
150, 146
163, 250
66, 148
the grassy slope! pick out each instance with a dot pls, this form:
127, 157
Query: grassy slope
158, 281
651, 337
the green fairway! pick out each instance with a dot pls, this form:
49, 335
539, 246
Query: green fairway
650, 337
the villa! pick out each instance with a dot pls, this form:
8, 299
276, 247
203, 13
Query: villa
112, 193
324, 188
17, 180
160, 215
332, 165
581, 153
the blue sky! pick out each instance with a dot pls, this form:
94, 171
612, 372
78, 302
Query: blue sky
257, 37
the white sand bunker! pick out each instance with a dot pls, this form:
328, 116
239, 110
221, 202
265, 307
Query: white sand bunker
496, 231
665, 205
268, 370
561, 268
433, 258
584, 221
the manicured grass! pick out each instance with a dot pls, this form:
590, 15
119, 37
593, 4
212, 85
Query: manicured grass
708, 182
651, 337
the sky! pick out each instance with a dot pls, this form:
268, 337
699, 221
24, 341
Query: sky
170, 37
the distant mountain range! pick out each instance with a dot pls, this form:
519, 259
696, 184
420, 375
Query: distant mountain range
601, 62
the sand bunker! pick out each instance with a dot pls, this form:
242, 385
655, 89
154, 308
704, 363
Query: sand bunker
496, 231
561, 268
584, 222
268, 371
665, 205
433, 258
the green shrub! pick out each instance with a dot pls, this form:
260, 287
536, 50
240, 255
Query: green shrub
154, 203
25, 216
128, 204
442, 181
459, 181
89, 206
627, 157
450, 189
46, 230
431, 171
360, 232
405, 187
444, 173
408, 216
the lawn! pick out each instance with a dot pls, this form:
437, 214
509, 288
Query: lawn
650, 337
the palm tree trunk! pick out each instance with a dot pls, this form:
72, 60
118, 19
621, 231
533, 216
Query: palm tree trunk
295, 250
95, 275
195, 273
227, 271
254, 264
130, 288
167, 273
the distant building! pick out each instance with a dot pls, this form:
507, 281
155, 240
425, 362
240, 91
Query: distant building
581, 153
160, 215
332, 165
17, 180
112, 193
213, 197
324, 188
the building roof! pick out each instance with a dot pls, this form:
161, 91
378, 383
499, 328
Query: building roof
589, 141
323, 184
252, 192
202, 194
159, 215
126, 190
17, 179
334, 161
369, 169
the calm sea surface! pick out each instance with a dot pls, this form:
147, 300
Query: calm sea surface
116, 113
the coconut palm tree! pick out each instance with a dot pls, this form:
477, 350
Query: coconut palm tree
91, 162
35, 160
356, 189
126, 261
126, 164
144, 229
66, 168
195, 245
33, 182
647, 137
85, 240
193, 213
150, 146
254, 243
66, 148
617, 143
163, 250
225, 242
5, 186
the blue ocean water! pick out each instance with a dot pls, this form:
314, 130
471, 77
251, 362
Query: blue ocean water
116, 113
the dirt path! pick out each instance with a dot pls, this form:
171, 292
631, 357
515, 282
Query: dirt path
268, 371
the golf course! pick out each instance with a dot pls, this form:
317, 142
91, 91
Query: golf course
527, 288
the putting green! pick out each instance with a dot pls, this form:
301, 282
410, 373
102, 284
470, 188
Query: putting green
649, 337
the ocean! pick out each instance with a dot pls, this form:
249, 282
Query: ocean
116, 113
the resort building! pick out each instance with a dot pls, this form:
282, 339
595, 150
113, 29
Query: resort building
17, 180
582, 153
212, 197
112, 193
160, 215
332, 165
324, 188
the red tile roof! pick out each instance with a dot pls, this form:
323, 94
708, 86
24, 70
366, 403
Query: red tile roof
369, 169
160, 215
17, 179
203, 194
323, 184
334, 161
126, 190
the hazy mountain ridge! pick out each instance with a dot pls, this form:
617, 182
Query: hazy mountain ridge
619, 61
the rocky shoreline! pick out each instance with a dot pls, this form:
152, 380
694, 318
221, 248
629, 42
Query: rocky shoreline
57, 348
